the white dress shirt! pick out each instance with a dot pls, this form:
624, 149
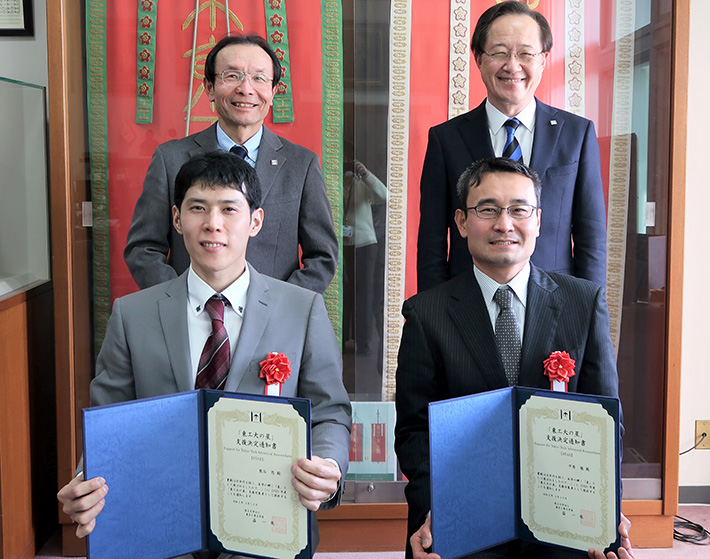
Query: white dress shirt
525, 133
519, 285
199, 323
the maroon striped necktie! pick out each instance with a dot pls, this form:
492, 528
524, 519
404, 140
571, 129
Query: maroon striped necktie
213, 368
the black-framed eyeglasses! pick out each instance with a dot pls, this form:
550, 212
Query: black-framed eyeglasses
516, 211
237, 77
503, 56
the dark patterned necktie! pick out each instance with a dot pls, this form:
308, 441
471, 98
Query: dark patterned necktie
239, 150
507, 334
213, 368
512, 147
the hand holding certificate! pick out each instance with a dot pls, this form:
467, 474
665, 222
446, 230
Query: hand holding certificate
545, 463
199, 470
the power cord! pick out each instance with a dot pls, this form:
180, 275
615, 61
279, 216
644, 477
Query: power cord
702, 438
700, 537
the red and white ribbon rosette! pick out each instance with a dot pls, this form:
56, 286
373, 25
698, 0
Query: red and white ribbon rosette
560, 368
276, 368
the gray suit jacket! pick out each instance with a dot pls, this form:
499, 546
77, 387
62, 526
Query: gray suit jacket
296, 212
146, 353
448, 350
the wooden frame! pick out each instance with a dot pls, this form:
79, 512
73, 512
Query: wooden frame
652, 520
22, 24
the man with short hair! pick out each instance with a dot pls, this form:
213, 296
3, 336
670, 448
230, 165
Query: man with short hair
156, 338
241, 76
511, 45
449, 345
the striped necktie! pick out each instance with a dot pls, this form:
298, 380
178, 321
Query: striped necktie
507, 334
241, 151
512, 147
213, 368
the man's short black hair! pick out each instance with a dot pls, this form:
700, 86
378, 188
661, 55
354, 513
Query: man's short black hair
218, 169
250, 39
508, 8
473, 175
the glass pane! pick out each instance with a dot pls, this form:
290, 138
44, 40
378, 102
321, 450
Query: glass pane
24, 221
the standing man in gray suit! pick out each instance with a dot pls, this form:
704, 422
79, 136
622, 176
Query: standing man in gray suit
241, 76
155, 337
449, 345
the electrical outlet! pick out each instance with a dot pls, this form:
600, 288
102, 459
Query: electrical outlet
700, 428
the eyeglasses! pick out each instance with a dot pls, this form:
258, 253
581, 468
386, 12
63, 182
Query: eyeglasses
517, 211
503, 56
236, 77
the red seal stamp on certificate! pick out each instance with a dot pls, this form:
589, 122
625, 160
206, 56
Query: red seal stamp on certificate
279, 525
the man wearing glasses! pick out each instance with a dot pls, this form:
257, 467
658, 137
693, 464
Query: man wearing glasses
491, 327
511, 45
241, 76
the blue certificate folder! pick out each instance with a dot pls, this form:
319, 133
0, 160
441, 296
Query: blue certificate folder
475, 469
153, 455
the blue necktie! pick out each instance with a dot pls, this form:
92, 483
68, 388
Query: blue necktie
239, 150
512, 147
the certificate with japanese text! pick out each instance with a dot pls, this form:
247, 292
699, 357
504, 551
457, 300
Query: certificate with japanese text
522, 463
202, 470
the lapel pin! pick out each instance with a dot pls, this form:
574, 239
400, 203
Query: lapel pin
274, 162
553, 122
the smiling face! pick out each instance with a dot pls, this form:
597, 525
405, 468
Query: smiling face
500, 247
216, 225
242, 108
512, 85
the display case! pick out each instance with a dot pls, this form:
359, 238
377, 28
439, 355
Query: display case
24, 214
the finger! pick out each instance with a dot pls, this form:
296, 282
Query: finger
310, 497
86, 515
83, 530
79, 505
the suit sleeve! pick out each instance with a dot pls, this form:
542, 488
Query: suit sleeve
417, 385
148, 243
114, 380
321, 380
589, 213
316, 234
434, 211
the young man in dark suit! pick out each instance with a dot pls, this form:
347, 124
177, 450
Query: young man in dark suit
511, 45
449, 345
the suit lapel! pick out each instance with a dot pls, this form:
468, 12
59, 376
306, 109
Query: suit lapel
541, 324
469, 313
173, 319
205, 141
548, 127
257, 313
269, 151
473, 128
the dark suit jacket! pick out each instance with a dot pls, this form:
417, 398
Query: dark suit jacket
448, 349
146, 352
296, 212
564, 154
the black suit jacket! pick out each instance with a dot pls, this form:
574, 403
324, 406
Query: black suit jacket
448, 350
566, 156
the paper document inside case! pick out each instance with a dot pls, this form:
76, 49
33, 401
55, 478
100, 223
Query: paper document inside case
253, 506
568, 472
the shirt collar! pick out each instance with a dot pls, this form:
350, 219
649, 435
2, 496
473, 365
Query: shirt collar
198, 292
489, 286
497, 119
226, 143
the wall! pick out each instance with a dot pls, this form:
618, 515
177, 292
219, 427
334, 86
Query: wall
695, 371
25, 58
